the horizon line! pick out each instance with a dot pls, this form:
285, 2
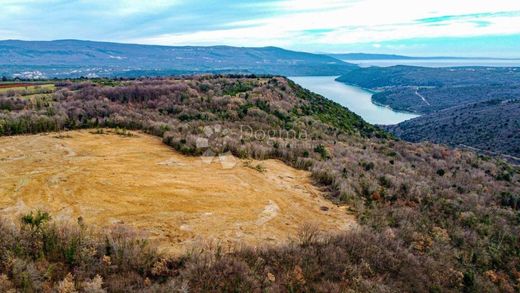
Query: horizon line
270, 46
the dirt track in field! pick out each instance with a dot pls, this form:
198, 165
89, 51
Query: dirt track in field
177, 200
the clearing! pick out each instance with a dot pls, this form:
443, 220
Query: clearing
180, 201
29, 88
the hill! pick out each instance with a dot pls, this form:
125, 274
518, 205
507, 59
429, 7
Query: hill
368, 56
425, 90
462, 104
74, 58
365, 56
422, 208
383, 77
426, 100
492, 126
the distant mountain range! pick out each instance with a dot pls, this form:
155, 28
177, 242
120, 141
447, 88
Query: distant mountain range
365, 56
74, 58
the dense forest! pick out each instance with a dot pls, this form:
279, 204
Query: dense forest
492, 126
432, 99
432, 218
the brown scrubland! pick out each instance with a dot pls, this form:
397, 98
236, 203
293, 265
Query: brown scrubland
431, 218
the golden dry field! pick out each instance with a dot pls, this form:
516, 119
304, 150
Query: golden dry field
179, 201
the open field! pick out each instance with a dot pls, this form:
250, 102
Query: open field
30, 88
14, 85
180, 201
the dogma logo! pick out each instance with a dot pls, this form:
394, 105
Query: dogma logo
212, 133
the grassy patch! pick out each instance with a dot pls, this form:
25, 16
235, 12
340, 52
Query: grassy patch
258, 167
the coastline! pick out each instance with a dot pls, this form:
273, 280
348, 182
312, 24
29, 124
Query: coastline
395, 110
355, 98
372, 91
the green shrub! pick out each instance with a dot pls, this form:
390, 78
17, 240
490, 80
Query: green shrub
320, 149
36, 220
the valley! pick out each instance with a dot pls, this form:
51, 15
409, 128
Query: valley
355, 99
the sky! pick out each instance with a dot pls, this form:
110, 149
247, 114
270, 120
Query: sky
469, 28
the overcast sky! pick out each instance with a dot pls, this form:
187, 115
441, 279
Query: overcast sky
418, 27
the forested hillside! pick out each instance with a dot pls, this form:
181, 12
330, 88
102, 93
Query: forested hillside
380, 77
492, 126
432, 218
462, 105
425, 90
425, 100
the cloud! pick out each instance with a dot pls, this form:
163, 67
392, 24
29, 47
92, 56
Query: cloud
355, 22
250, 36
297, 24
446, 18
